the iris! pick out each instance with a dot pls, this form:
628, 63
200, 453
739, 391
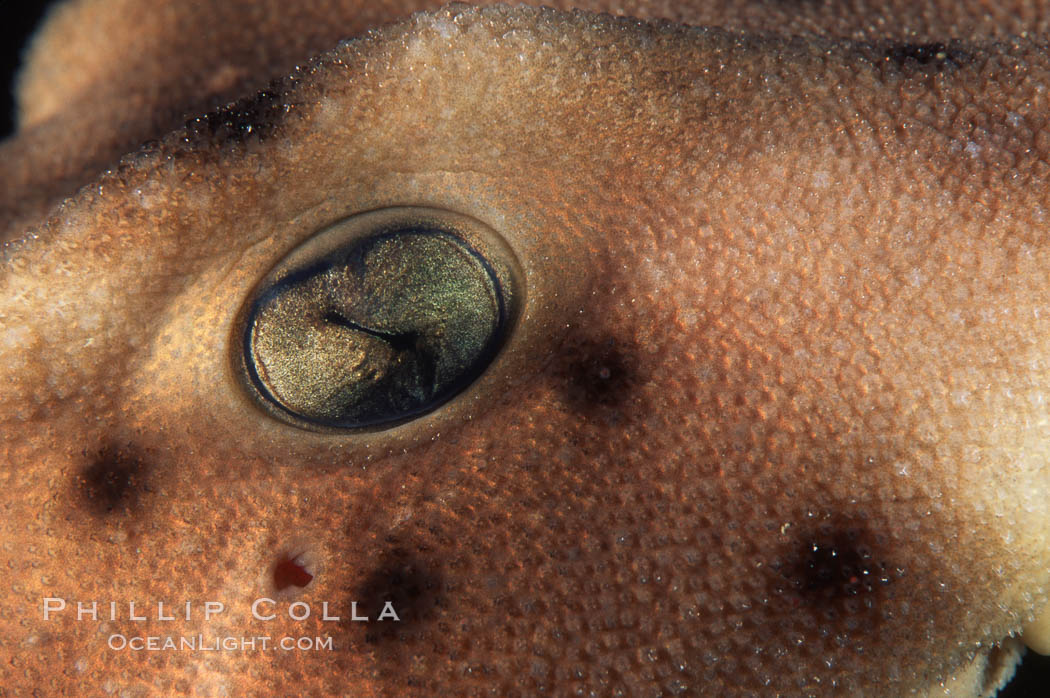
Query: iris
377, 319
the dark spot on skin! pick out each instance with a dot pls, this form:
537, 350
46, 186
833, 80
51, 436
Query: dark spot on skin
837, 566
290, 572
933, 57
414, 587
597, 375
113, 481
255, 116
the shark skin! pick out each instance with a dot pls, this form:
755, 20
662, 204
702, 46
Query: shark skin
769, 417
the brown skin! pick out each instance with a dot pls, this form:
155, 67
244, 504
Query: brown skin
105, 75
784, 325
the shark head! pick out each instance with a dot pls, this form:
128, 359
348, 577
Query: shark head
521, 350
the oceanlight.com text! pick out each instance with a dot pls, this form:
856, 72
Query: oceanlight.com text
215, 643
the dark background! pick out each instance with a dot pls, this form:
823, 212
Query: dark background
1032, 680
17, 20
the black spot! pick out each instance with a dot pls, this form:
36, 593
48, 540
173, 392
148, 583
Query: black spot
255, 116
935, 57
834, 564
412, 585
598, 374
113, 481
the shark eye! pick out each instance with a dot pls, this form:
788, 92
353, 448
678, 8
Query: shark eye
377, 319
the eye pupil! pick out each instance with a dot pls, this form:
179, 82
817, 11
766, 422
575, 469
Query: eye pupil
376, 330
399, 342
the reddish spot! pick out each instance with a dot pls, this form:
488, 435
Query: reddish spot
290, 573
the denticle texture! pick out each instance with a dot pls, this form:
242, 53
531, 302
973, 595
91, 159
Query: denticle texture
771, 420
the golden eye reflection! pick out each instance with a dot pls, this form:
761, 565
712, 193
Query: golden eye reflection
378, 330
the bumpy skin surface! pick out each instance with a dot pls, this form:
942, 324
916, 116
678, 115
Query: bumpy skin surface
105, 75
772, 420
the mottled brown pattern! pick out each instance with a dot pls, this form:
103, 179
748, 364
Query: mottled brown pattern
772, 420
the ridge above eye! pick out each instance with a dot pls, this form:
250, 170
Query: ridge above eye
377, 319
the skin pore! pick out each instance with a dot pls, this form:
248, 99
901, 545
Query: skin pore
769, 418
